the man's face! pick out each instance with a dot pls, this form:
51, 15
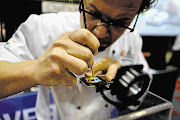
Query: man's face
119, 11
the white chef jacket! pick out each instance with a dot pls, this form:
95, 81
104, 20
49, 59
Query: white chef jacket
77, 102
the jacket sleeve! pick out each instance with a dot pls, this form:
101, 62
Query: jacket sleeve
31, 39
36, 34
23, 43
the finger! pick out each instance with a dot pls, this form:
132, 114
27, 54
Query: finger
61, 75
73, 64
101, 75
85, 37
54, 82
68, 79
98, 73
100, 66
88, 72
111, 72
80, 52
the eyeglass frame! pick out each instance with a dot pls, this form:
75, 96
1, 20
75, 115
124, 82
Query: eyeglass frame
102, 20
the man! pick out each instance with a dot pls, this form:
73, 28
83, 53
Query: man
38, 56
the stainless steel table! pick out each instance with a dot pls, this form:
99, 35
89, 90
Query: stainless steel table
152, 108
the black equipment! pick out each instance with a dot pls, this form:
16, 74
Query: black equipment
128, 86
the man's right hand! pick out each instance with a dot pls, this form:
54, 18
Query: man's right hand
71, 53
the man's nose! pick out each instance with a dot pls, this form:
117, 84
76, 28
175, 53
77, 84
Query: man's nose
101, 30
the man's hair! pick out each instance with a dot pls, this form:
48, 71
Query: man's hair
146, 4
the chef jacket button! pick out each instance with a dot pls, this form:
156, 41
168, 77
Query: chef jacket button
106, 105
113, 51
78, 107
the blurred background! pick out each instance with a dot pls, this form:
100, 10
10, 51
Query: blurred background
159, 28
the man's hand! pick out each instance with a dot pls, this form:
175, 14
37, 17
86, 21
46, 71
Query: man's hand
106, 64
71, 53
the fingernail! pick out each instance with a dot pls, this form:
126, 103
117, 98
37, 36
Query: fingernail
109, 78
88, 73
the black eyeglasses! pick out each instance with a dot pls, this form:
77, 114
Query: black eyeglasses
109, 22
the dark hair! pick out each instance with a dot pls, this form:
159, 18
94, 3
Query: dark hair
146, 4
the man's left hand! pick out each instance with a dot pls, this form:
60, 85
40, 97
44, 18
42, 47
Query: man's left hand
108, 65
